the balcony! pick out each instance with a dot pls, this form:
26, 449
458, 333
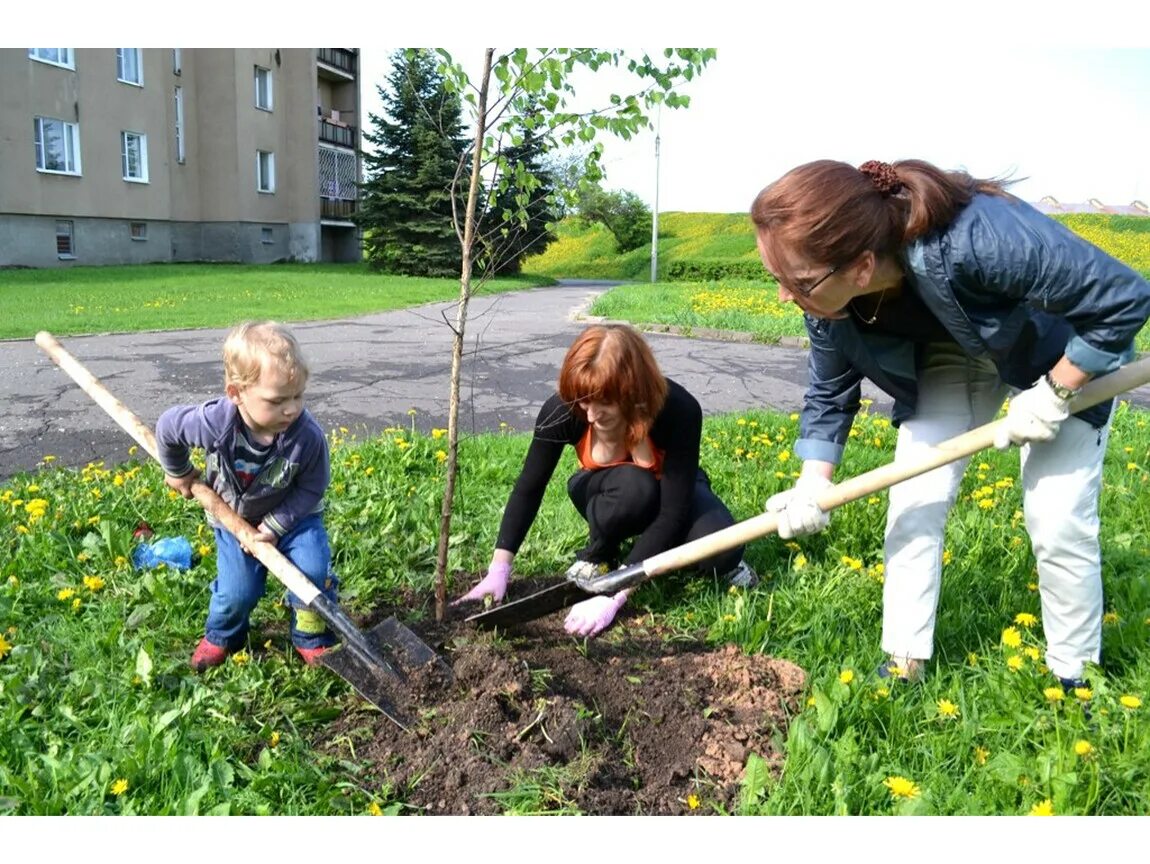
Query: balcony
337, 209
334, 132
338, 60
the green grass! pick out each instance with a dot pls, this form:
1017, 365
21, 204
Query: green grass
94, 687
182, 296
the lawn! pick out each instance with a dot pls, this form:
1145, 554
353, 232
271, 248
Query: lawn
100, 714
183, 296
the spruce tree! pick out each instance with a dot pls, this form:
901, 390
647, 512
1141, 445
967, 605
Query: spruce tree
405, 207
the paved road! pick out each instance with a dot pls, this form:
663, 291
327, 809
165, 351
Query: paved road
368, 372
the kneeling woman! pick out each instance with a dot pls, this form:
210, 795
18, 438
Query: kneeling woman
636, 434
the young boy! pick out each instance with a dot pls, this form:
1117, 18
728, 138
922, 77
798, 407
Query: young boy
268, 459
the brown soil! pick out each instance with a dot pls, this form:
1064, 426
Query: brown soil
533, 721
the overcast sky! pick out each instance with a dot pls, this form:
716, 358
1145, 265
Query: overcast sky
1074, 122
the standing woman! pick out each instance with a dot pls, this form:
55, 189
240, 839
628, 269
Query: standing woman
949, 294
636, 435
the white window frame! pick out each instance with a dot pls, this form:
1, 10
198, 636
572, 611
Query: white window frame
64, 57
181, 141
125, 58
141, 141
266, 172
265, 95
177, 61
69, 134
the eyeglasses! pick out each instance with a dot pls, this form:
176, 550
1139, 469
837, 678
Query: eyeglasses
809, 289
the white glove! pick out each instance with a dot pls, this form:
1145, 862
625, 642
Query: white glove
797, 512
1034, 415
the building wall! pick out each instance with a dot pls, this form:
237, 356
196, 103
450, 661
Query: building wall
206, 208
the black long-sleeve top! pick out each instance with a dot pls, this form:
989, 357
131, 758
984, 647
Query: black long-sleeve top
676, 431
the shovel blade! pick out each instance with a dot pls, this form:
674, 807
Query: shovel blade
532, 606
393, 640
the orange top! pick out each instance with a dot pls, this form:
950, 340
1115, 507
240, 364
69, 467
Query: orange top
583, 450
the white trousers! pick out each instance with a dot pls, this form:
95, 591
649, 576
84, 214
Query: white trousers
1061, 483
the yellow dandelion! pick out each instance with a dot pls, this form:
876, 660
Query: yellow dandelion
369, 470
76, 603
1083, 694
440, 455
1110, 618
1054, 694
881, 693
1042, 808
810, 701
65, 594
1130, 702
241, 657
1025, 619
1014, 662
972, 659
800, 562
1032, 652
981, 754
120, 561
900, 787
5, 647
742, 421
374, 809
793, 546
119, 787
693, 801
132, 450
204, 549
1083, 747
274, 739
93, 583
48, 458
947, 557
21, 529
946, 708
438, 433
1011, 638
847, 676
1031, 586
852, 563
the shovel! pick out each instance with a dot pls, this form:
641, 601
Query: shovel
565, 593
367, 661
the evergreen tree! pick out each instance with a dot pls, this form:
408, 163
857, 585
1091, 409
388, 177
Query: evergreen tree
405, 206
521, 213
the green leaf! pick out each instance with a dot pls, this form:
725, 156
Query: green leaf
756, 775
144, 666
138, 616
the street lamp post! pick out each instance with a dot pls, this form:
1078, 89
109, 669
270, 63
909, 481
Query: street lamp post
655, 212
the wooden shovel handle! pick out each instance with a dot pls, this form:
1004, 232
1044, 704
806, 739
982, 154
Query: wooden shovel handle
267, 554
1127, 378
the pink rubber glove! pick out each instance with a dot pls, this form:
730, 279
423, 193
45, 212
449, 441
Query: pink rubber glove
592, 616
493, 584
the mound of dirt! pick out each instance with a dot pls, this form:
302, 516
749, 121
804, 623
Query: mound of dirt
536, 721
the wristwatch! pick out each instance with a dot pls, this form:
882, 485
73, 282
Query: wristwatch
1061, 391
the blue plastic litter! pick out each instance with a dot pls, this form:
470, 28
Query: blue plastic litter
176, 552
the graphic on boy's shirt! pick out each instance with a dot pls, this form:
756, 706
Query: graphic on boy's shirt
246, 471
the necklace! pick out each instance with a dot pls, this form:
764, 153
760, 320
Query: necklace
874, 315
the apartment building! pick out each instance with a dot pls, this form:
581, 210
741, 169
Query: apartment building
136, 155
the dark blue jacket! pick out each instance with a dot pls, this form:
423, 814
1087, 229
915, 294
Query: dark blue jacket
1007, 283
291, 483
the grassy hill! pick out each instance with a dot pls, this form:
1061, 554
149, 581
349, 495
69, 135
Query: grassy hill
713, 246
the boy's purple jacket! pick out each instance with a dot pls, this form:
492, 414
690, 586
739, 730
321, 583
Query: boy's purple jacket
291, 483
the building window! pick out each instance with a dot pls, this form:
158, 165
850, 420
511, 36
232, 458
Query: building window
129, 69
64, 247
57, 146
181, 149
138, 230
55, 56
265, 171
134, 156
266, 235
263, 88
177, 62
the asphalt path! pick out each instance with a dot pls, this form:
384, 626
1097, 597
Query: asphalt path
367, 373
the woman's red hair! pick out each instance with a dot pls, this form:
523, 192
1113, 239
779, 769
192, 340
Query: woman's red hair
613, 363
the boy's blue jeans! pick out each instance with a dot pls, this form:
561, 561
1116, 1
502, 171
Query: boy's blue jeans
241, 580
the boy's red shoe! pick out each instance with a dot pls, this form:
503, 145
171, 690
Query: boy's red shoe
311, 655
208, 655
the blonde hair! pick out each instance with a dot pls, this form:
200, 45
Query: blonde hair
253, 343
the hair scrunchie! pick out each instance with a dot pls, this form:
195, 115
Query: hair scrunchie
883, 176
